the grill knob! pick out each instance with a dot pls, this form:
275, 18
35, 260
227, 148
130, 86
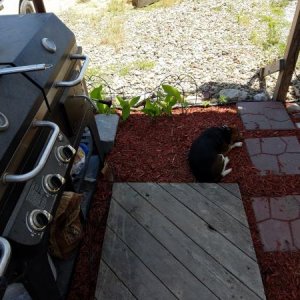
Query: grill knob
65, 153
53, 182
39, 219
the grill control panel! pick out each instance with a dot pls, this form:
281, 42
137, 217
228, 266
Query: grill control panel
65, 153
53, 183
39, 219
35, 208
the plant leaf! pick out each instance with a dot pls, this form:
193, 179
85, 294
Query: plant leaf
97, 93
121, 101
170, 90
100, 107
173, 101
126, 111
134, 101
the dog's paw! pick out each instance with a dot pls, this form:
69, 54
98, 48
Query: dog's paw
226, 160
226, 172
238, 144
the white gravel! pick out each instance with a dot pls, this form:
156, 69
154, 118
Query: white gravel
202, 41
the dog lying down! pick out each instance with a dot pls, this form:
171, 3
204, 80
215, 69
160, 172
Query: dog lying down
207, 154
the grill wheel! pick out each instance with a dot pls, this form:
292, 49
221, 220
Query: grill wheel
26, 7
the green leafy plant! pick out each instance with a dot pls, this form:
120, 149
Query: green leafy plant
152, 109
206, 103
223, 99
97, 95
173, 96
166, 100
126, 106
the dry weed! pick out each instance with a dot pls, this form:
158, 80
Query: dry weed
114, 32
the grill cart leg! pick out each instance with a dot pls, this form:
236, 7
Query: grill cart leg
39, 279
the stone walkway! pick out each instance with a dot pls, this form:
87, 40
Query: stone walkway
278, 218
278, 221
280, 155
264, 115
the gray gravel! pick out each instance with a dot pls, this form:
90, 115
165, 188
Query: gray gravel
201, 41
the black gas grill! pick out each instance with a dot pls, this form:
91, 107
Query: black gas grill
44, 111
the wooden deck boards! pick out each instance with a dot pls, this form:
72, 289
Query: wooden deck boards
178, 241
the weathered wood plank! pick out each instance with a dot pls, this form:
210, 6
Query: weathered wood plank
233, 188
224, 199
131, 271
217, 219
109, 287
199, 262
210, 240
182, 283
273, 67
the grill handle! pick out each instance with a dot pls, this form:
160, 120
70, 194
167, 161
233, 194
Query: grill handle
76, 81
5, 255
23, 69
24, 177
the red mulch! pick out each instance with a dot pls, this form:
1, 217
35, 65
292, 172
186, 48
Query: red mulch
85, 275
155, 150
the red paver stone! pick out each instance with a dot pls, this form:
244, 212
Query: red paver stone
285, 208
279, 155
276, 236
264, 115
268, 147
291, 144
261, 208
295, 226
253, 146
278, 222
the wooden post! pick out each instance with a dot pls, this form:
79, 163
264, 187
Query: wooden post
290, 59
39, 6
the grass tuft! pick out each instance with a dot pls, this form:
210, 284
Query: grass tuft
114, 33
271, 25
116, 6
141, 65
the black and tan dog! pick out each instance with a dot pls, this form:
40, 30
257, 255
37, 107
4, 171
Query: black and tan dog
206, 156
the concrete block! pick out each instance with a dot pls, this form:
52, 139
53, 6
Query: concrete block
107, 126
142, 3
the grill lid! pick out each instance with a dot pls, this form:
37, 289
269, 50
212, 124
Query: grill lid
19, 101
35, 39
27, 40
